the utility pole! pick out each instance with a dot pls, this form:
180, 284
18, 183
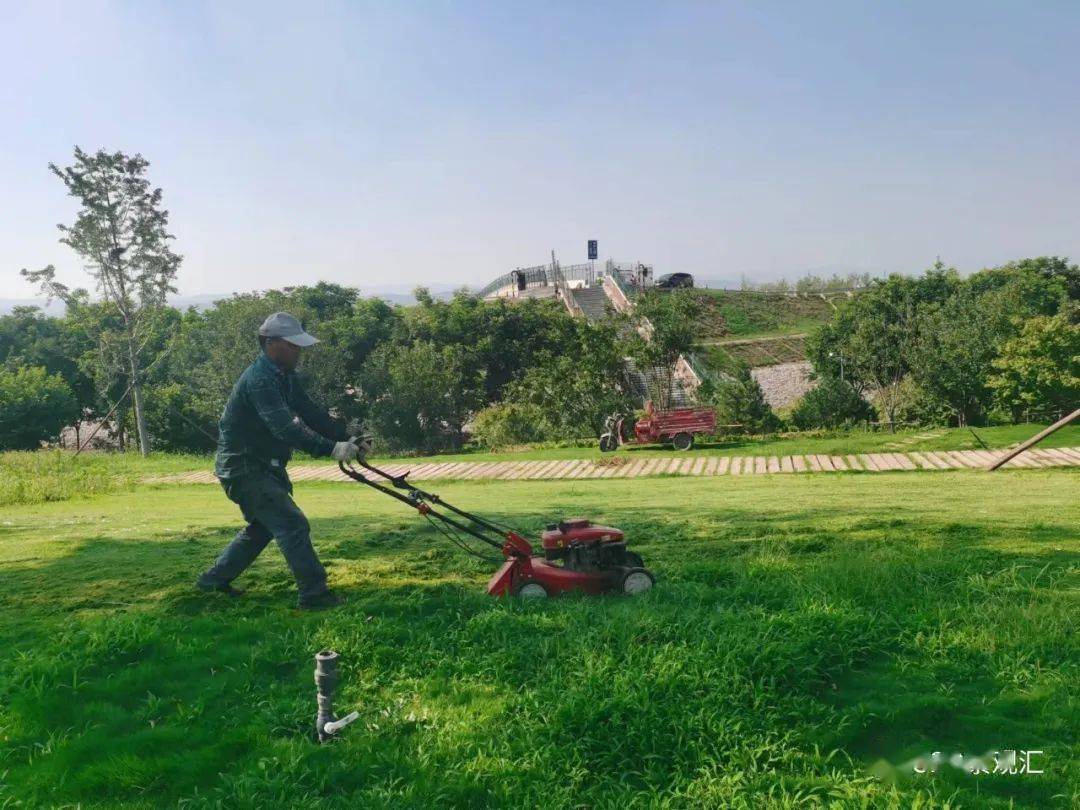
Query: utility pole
839, 355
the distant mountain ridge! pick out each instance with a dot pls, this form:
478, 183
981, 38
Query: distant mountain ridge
206, 300
392, 294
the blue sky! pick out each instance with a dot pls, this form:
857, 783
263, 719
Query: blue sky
390, 144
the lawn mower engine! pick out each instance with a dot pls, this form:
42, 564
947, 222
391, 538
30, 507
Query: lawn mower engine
578, 555
585, 547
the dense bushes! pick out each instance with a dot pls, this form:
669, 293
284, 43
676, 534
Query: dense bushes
833, 403
510, 423
933, 344
176, 421
912, 405
1039, 370
739, 400
415, 374
420, 395
34, 407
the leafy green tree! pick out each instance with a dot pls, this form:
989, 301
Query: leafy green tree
214, 346
324, 301
939, 329
176, 422
874, 333
833, 403
914, 405
664, 327
739, 400
1039, 369
423, 297
951, 355
30, 338
335, 370
498, 339
957, 339
1030, 287
99, 330
420, 395
35, 406
579, 387
121, 234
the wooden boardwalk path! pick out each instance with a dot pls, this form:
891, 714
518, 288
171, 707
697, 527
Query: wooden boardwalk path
625, 466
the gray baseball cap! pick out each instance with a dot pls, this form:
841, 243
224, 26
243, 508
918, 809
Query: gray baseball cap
287, 327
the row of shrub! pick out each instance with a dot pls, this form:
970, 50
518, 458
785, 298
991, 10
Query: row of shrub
416, 375
929, 349
939, 348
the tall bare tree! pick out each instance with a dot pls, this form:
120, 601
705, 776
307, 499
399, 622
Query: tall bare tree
121, 235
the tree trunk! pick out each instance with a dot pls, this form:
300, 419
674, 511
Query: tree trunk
136, 399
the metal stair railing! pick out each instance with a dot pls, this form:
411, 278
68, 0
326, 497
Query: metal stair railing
504, 280
620, 282
537, 274
562, 289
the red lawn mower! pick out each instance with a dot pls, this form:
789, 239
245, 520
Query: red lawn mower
578, 555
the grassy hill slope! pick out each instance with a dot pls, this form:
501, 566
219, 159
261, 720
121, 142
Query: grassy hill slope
756, 328
739, 314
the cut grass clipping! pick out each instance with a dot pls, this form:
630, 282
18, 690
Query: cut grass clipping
808, 636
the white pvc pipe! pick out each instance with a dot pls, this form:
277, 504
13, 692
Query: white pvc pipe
336, 725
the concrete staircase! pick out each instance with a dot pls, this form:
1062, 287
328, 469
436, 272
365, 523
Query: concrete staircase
642, 382
593, 301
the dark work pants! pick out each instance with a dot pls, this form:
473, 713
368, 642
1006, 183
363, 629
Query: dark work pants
267, 505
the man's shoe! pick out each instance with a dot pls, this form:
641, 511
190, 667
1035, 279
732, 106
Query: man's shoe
218, 587
320, 601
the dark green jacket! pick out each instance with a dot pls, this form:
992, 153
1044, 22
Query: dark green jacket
266, 416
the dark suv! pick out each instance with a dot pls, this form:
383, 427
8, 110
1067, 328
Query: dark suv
669, 281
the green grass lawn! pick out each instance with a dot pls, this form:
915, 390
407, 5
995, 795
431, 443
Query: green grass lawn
805, 632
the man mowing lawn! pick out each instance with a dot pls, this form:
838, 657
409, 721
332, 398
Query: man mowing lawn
266, 416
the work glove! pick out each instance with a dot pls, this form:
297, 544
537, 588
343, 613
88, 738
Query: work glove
345, 451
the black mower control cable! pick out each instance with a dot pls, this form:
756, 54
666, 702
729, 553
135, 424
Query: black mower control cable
416, 499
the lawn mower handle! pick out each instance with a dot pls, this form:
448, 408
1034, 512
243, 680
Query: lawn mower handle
419, 500
400, 482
